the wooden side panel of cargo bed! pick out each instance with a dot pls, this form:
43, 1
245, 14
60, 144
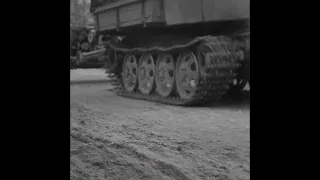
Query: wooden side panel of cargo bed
154, 11
182, 11
140, 12
107, 19
193, 11
215, 10
129, 13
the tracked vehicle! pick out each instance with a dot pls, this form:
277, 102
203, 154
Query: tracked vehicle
83, 40
181, 52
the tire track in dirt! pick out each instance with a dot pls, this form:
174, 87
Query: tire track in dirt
126, 152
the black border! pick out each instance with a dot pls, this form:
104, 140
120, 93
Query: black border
36, 74
281, 69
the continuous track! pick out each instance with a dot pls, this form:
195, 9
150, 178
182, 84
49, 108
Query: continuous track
216, 61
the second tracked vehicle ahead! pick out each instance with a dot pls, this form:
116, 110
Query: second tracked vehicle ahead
181, 52
83, 40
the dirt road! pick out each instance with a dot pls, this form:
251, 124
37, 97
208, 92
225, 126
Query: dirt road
115, 138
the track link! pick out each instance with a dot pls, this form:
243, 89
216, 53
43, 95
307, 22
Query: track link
217, 59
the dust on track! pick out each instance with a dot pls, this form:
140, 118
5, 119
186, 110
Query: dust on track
117, 138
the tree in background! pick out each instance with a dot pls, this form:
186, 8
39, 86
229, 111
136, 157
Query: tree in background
80, 13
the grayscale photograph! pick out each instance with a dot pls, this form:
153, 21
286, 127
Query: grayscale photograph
159, 89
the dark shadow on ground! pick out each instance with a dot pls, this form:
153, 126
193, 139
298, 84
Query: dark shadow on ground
234, 101
231, 104
241, 102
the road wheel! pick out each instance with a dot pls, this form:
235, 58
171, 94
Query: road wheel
129, 75
165, 74
187, 75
